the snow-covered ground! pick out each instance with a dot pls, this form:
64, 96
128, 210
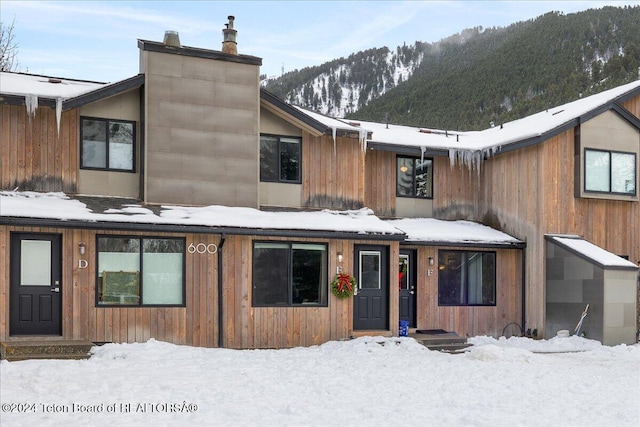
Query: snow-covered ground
367, 381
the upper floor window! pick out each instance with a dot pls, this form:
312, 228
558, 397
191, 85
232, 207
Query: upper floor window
140, 271
280, 158
107, 144
414, 177
609, 172
289, 274
466, 278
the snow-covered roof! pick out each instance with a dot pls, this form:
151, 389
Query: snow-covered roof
431, 230
59, 206
334, 124
498, 136
592, 252
21, 84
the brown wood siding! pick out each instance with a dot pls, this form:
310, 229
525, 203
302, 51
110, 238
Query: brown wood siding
529, 193
281, 327
195, 324
34, 155
332, 175
380, 182
470, 320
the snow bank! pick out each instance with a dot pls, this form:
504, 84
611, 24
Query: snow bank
370, 381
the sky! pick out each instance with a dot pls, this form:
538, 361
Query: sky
368, 381
97, 40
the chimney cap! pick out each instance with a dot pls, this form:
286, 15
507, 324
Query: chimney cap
171, 38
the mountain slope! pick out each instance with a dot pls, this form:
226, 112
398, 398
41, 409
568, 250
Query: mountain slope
479, 75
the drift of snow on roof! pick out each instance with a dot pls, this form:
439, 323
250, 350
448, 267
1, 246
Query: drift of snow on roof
43, 86
436, 230
593, 252
59, 206
494, 137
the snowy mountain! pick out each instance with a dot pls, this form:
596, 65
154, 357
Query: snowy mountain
477, 76
344, 85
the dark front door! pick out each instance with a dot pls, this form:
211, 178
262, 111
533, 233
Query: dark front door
35, 276
371, 304
407, 286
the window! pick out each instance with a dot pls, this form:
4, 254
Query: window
280, 159
140, 271
610, 172
466, 278
414, 177
289, 274
107, 144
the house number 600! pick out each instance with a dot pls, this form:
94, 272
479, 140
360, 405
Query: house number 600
202, 248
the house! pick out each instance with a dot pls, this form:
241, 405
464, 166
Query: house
187, 204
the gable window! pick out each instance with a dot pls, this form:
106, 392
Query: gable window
414, 177
107, 144
289, 274
610, 172
280, 158
136, 271
466, 278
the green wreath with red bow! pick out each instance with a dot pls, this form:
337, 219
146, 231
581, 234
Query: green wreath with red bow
343, 285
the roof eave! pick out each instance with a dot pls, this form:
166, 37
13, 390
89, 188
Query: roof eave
409, 150
177, 228
444, 243
290, 114
104, 92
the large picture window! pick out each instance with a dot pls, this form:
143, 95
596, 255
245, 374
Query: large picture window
289, 274
414, 177
107, 144
280, 159
137, 271
466, 278
610, 172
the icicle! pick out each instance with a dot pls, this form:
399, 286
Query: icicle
422, 150
363, 139
31, 102
334, 132
58, 112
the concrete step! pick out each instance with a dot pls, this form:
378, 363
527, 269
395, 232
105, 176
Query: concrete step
45, 349
448, 342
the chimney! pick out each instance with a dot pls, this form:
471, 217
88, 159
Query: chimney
171, 38
229, 44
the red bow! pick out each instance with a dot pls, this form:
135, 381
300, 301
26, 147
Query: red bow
344, 280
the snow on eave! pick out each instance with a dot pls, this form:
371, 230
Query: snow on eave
22, 84
336, 125
472, 148
594, 253
59, 206
441, 232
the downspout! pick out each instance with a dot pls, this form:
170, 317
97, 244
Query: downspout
524, 288
223, 238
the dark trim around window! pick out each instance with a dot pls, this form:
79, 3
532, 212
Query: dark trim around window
278, 169
414, 192
107, 167
267, 292
452, 274
611, 172
131, 302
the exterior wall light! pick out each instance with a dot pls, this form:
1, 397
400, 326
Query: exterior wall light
430, 260
82, 247
340, 257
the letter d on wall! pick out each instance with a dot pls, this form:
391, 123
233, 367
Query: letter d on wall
83, 263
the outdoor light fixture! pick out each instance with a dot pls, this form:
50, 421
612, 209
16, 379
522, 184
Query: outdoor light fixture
82, 247
403, 168
340, 257
430, 260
